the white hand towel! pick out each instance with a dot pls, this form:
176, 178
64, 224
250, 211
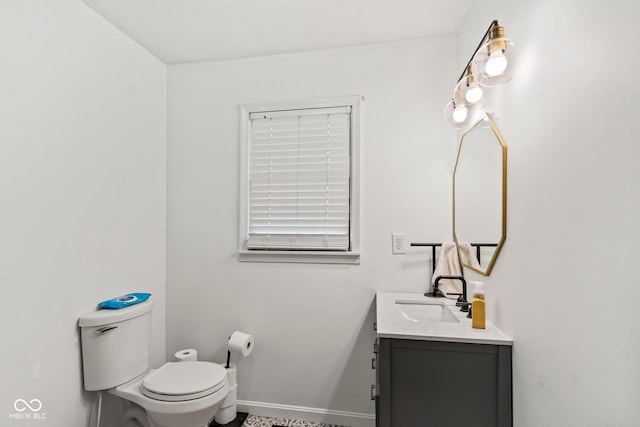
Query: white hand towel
448, 265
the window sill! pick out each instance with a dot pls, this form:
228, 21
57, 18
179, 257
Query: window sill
311, 257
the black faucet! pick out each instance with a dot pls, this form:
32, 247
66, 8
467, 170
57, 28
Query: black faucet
462, 299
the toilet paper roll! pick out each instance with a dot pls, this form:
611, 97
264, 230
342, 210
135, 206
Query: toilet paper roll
226, 415
232, 374
188, 355
232, 397
241, 343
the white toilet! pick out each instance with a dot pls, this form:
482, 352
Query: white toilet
115, 357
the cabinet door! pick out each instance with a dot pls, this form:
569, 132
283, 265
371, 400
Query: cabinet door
425, 383
377, 386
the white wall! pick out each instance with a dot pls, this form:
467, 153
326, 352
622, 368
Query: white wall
82, 194
565, 286
312, 323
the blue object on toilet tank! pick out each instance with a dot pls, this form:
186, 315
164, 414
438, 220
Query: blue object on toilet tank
124, 301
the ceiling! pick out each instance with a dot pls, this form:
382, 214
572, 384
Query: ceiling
179, 31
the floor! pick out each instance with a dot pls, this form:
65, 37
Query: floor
255, 421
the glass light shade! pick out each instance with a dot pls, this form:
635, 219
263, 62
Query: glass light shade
461, 116
494, 62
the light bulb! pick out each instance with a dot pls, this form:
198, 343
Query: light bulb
496, 64
474, 93
459, 114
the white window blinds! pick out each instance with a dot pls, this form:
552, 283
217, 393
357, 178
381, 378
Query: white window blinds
299, 169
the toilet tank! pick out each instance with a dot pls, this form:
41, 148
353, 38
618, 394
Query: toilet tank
115, 345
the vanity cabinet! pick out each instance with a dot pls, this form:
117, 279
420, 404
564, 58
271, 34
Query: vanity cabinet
423, 383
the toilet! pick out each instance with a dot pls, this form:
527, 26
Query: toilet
115, 358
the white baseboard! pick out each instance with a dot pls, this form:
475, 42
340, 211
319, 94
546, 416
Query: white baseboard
276, 410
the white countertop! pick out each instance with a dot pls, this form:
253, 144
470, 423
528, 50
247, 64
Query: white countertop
392, 323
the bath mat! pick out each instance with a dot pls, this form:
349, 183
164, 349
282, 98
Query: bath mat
256, 421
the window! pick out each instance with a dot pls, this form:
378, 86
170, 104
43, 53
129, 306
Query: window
300, 181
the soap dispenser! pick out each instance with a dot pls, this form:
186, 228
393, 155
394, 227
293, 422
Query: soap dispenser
478, 306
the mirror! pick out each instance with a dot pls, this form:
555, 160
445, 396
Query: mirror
480, 194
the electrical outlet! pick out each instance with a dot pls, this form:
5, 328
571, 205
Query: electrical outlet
397, 244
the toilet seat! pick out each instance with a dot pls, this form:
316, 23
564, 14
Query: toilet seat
180, 381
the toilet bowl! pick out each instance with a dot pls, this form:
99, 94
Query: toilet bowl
115, 358
185, 394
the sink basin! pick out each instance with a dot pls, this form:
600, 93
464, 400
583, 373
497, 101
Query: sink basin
426, 311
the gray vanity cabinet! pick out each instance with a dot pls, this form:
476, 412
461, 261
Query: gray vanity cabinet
431, 383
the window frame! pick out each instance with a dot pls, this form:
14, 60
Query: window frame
352, 256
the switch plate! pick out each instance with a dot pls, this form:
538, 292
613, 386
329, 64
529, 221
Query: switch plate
397, 244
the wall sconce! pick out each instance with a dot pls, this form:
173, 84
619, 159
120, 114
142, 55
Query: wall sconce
490, 65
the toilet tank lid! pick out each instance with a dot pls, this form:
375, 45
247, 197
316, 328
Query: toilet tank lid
106, 317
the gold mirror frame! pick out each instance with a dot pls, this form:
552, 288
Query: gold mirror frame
489, 118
